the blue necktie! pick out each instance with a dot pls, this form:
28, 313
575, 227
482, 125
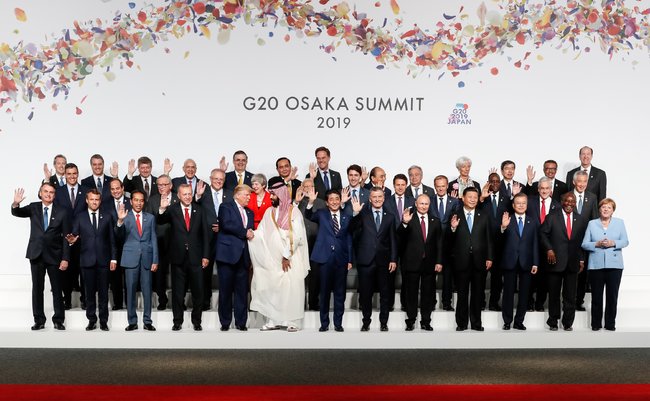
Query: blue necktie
335, 224
377, 219
326, 180
46, 219
354, 194
521, 227
61, 183
441, 209
469, 221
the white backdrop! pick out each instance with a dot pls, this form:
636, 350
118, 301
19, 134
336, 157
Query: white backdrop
184, 98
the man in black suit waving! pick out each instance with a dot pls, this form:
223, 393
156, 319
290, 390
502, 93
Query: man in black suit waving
324, 178
48, 250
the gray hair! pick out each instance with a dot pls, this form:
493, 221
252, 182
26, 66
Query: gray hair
543, 180
461, 161
260, 179
579, 173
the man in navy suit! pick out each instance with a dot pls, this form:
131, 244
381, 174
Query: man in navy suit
508, 187
189, 168
354, 189
210, 198
520, 259
597, 178
443, 207
145, 182
558, 188
137, 231
94, 231
47, 251
470, 238
56, 177
416, 187
375, 245
98, 179
233, 259
72, 198
239, 175
324, 178
421, 259
333, 252
116, 277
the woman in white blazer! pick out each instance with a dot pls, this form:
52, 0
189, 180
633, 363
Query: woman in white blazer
604, 241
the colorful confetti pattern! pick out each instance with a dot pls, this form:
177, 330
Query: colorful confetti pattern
30, 71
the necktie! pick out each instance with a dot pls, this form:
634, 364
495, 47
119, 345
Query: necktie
216, 203
400, 208
117, 205
354, 194
542, 214
469, 221
521, 226
335, 224
326, 180
417, 192
46, 219
494, 205
61, 182
441, 209
137, 223
423, 227
99, 185
580, 205
94, 220
243, 216
187, 218
147, 188
189, 182
377, 219
568, 225
239, 179
509, 190
72, 197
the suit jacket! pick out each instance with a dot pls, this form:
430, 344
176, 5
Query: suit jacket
54, 180
425, 190
364, 198
372, 246
62, 199
193, 244
163, 230
559, 189
311, 227
503, 190
597, 183
522, 250
568, 251
391, 205
319, 185
138, 250
535, 206
605, 258
472, 250
134, 183
109, 207
451, 205
50, 245
295, 183
418, 253
327, 242
450, 187
504, 205
232, 244
387, 192
231, 179
90, 182
98, 247
178, 181
589, 206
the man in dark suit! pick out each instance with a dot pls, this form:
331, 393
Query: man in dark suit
324, 178
443, 207
378, 179
233, 259
144, 182
98, 179
354, 189
520, 259
136, 229
189, 168
56, 177
72, 198
333, 252
416, 187
47, 251
163, 237
116, 277
597, 178
188, 252
421, 259
210, 198
509, 187
561, 236
94, 231
470, 239
287, 175
539, 207
375, 246
558, 188
239, 175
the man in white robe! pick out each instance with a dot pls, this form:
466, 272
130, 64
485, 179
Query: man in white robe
280, 258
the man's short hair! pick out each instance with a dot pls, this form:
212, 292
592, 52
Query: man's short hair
440, 177
239, 152
376, 189
354, 167
580, 173
322, 149
242, 187
280, 159
96, 156
506, 163
144, 160
520, 195
332, 192
470, 189
94, 191
118, 180
71, 165
415, 167
400, 176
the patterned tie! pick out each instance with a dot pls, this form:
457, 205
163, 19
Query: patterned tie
187, 218
147, 188
377, 219
46, 219
400, 207
469, 221
335, 224
326, 181
441, 209
542, 214
99, 185
423, 227
580, 204
72, 197
568, 225
137, 223
94, 220
521, 227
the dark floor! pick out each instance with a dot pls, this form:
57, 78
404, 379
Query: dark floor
357, 367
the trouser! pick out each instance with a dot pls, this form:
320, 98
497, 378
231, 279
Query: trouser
115, 278
469, 310
422, 282
181, 274
313, 282
233, 281
564, 282
38, 287
207, 285
96, 288
509, 285
371, 277
333, 277
134, 276
159, 277
608, 280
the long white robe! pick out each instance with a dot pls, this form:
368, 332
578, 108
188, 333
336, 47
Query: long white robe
279, 295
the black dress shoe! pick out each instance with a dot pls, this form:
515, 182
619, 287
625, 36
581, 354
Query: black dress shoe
176, 327
131, 327
184, 307
553, 327
91, 326
539, 309
568, 328
383, 327
478, 328
241, 328
595, 329
314, 308
116, 307
409, 326
338, 328
365, 327
461, 328
506, 326
38, 326
83, 305
197, 327
580, 308
519, 326
67, 306
149, 327
323, 328
103, 326
448, 308
610, 328
426, 327
161, 306
59, 326
224, 328
495, 308
205, 308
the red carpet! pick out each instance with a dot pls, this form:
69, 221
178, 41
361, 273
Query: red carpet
533, 392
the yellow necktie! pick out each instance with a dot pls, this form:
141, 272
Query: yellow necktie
239, 181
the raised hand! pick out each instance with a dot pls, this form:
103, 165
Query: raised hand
167, 166
200, 189
312, 195
492, 170
131, 169
312, 170
115, 170
485, 191
223, 164
454, 193
530, 174
364, 174
345, 195
407, 215
516, 188
47, 172
19, 196
299, 194
164, 203
453, 223
71, 238
294, 173
505, 220
356, 206
121, 213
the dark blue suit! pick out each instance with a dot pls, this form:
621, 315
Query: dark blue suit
332, 252
520, 254
97, 249
231, 179
116, 277
450, 206
504, 204
364, 198
539, 282
233, 263
91, 182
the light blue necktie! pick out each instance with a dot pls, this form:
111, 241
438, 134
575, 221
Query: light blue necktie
61, 183
417, 190
46, 219
469, 221
521, 227
580, 204
377, 219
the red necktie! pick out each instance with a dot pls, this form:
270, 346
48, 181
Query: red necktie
423, 226
187, 219
568, 225
542, 214
137, 223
